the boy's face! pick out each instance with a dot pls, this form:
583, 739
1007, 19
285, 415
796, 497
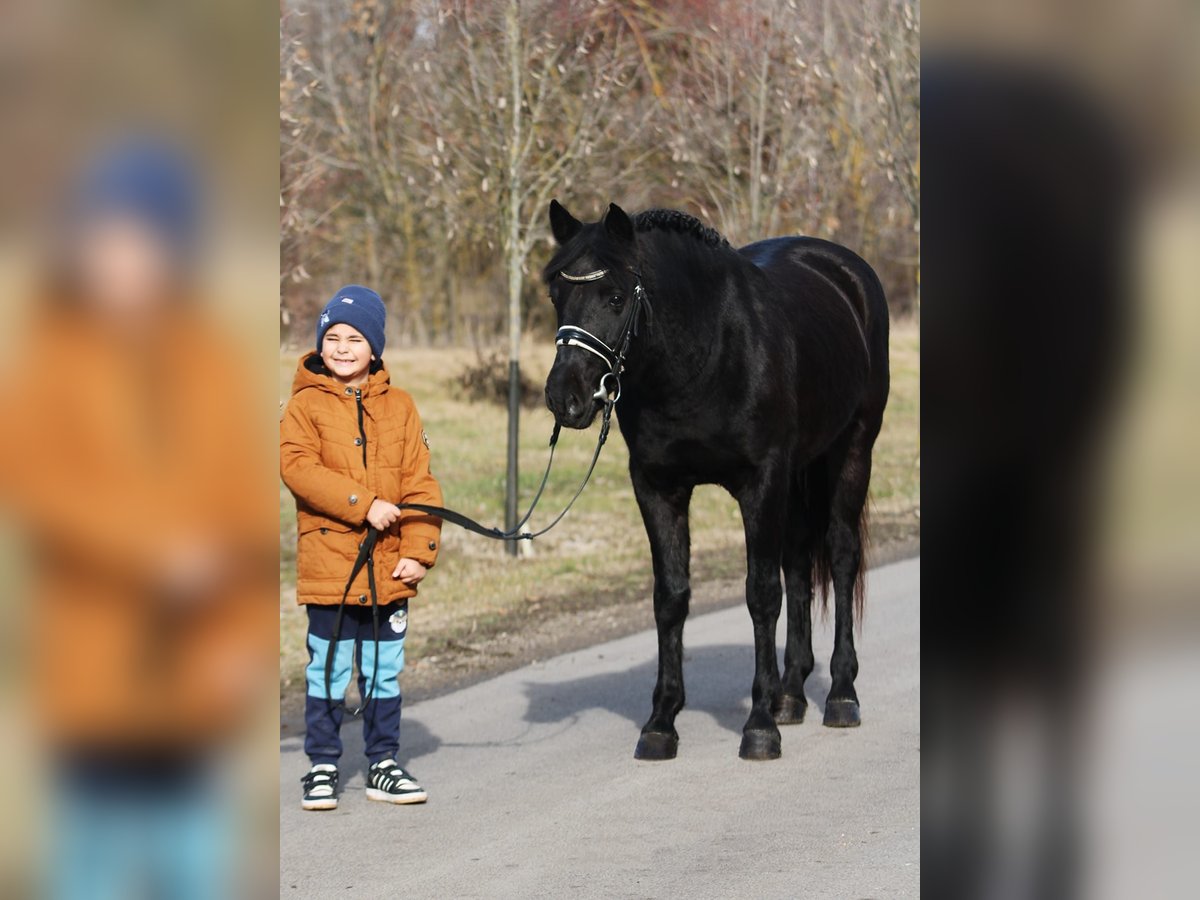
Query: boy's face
346, 354
124, 267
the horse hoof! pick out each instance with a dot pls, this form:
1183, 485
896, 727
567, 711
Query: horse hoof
760, 744
842, 714
656, 745
789, 710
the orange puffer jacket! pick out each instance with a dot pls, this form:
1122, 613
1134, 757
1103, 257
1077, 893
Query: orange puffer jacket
321, 457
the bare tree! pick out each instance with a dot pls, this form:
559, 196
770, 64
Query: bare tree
421, 141
539, 94
890, 52
787, 116
300, 172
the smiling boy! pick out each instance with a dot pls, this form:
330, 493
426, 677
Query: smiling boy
351, 448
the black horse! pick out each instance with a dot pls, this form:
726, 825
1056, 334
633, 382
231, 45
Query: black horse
763, 370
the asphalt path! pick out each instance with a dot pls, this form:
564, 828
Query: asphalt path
534, 791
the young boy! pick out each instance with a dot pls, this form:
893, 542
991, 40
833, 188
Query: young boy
351, 448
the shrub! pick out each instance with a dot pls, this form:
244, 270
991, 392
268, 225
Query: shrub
486, 380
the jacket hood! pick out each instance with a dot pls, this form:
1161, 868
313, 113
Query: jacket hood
311, 373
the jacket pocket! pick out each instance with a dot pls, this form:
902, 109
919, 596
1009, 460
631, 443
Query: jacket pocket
325, 550
308, 521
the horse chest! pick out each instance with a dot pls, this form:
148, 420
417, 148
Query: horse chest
692, 449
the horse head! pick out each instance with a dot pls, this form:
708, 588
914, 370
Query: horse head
597, 298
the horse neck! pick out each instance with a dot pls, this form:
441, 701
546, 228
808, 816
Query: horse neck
677, 340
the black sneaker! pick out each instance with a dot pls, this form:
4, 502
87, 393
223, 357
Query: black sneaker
387, 781
320, 787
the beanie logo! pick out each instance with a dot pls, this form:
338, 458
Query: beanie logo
324, 319
347, 299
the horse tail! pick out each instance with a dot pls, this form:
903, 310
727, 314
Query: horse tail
860, 577
813, 497
817, 503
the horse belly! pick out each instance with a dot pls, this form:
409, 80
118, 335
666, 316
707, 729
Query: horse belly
708, 463
691, 459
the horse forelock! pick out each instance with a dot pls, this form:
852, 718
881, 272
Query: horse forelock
584, 255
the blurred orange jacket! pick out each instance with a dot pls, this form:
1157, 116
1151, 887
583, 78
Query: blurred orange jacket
335, 476
131, 466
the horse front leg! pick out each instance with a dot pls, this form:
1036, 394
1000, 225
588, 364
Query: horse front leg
764, 506
665, 514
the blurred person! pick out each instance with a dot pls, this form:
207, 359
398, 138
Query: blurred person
1025, 319
351, 447
127, 418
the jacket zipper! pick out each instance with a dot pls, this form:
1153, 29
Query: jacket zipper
362, 433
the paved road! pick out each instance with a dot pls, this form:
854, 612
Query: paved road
534, 791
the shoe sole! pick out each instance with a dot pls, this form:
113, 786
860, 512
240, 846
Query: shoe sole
402, 799
329, 803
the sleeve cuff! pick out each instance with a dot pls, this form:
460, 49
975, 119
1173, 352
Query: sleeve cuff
424, 550
358, 504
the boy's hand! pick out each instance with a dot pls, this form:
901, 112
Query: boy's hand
193, 569
409, 571
382, 515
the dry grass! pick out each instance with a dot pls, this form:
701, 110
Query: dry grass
599, 552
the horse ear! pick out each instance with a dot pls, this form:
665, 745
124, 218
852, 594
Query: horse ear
563, 225
618, 224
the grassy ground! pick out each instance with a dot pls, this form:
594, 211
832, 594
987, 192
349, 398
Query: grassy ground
599, 554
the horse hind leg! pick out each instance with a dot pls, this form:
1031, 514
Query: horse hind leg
763, 505
844, 545
798, 663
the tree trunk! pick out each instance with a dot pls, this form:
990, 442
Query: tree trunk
758, 128
512, 31
415, 299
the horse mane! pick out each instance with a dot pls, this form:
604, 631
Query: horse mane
680, 223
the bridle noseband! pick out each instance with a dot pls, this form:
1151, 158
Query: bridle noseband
609, 390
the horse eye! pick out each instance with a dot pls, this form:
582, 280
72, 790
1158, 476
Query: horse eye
616, 301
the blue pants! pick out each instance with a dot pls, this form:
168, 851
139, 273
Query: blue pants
355, 646
139, 827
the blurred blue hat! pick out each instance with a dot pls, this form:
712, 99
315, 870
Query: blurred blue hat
148, 179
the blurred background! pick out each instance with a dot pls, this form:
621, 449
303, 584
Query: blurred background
138, 286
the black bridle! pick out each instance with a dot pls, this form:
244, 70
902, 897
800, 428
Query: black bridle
567, 336
614, 357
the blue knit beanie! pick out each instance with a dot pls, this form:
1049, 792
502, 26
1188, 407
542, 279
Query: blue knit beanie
360, 308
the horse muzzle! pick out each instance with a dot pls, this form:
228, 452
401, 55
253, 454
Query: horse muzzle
569, 397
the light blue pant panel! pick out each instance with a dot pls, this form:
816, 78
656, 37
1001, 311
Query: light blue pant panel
391, 664
339, 677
